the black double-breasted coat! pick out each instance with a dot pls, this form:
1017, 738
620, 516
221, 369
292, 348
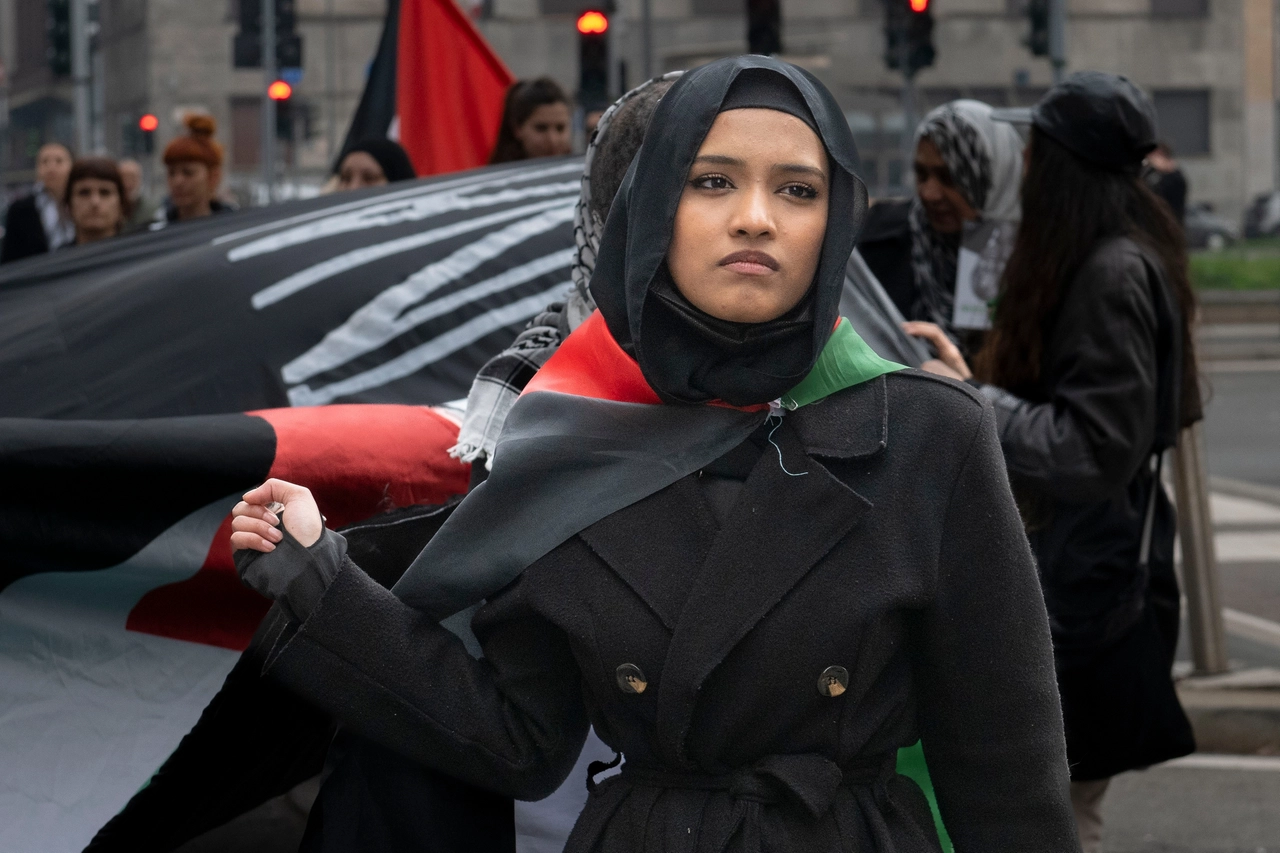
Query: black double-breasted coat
878, 549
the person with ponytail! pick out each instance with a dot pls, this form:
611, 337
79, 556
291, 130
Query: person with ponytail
194, 163
755, 556
1090, 366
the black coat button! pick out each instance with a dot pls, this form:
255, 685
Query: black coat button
631, 678
833, 681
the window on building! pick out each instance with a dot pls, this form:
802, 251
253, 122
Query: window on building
1179, 8
246, 132
1182, 117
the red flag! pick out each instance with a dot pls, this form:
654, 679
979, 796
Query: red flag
450, 87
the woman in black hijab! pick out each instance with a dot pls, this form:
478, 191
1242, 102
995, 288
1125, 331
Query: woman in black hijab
758, 558
372, 163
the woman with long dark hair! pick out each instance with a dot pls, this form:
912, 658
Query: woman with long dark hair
758, 558
1091, 368
535, 122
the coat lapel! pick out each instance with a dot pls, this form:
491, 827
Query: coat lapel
782, 524
655, 544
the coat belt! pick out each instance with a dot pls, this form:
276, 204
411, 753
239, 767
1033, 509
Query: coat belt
812, 781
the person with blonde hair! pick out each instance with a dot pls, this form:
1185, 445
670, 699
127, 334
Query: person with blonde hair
194, 164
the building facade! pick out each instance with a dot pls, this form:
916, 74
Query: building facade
1210, 66
169, 57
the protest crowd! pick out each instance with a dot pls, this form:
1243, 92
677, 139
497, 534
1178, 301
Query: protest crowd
740, 566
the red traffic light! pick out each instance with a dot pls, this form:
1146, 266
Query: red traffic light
919, 6
594, 23
148, 123
279, 91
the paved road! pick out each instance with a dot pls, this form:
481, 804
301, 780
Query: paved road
1205, 804
1242, 422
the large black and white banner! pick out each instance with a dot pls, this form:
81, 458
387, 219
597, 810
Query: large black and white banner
397, 294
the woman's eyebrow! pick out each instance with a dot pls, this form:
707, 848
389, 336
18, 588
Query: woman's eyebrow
718, 160
801, 169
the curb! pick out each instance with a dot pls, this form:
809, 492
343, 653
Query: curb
1236, 722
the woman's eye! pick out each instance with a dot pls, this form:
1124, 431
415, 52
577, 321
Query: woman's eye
712, 182
800, 191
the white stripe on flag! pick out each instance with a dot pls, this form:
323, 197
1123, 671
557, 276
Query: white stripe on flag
368, 328
88, 710
428, 352
413, 210
368, 254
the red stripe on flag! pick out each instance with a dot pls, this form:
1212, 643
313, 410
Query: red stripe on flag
591, 364
450, 88
358, 460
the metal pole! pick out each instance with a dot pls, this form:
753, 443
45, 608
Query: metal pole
268, 105
646, 26
1058, 39
80, 75
330, 83
908, 104
1199, 558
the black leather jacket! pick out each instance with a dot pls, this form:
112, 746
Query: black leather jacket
1080, 447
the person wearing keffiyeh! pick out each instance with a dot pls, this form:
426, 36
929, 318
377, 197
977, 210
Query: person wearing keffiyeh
613, 145
967, 168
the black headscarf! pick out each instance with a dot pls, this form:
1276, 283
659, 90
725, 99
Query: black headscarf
686, 355
390, 156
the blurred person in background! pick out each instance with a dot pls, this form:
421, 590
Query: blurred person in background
1165, 177
967, 170
96, 199
40, 223
535, 122
194, 163
1091, 370
141, 211
372, 163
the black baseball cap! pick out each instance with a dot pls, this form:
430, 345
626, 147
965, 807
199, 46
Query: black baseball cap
1102, 118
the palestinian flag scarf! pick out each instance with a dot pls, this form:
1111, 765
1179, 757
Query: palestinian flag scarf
650, 389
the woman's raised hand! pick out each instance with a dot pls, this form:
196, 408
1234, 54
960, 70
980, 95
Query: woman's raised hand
253, 524
949, 356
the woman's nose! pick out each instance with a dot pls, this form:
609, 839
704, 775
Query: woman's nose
752, 216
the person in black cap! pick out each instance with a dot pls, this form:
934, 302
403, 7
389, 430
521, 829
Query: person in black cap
1091, 369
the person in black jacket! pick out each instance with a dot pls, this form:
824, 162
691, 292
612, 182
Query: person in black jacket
39, 222
1092, 373
757, 609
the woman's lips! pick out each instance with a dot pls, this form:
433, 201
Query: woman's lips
750, 263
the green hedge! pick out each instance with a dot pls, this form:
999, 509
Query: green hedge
1249, 265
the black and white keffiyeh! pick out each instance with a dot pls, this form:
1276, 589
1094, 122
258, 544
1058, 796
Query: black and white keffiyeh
503, 377
984, 158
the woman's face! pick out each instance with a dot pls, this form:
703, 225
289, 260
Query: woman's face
749, 229
545, 133
359, 169
189, 184
944, 205
95, 208
53, 167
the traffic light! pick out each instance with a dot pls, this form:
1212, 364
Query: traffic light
282, 93
247, 46
593, 59
58, 33
1038, 37
764, 27
147, 125
908, 30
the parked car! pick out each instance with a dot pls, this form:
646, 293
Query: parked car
1206, 229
